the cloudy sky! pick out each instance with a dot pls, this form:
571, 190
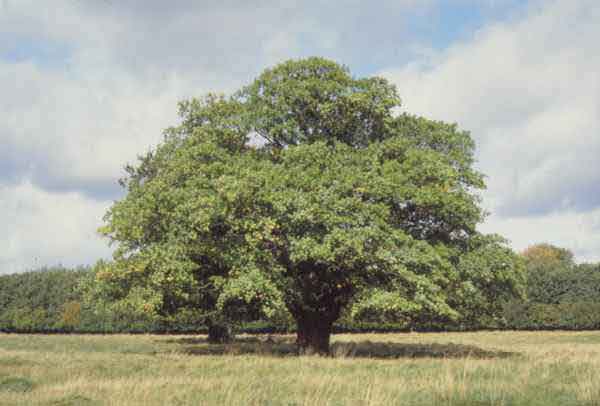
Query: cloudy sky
87, 85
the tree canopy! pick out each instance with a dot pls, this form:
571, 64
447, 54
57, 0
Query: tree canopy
304, 194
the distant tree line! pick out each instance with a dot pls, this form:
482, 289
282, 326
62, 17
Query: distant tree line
47, 299
560, 294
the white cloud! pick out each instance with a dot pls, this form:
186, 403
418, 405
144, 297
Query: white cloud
579, 232
41, 228
68, 134
529, 91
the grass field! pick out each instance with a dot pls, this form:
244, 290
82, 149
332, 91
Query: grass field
485, 368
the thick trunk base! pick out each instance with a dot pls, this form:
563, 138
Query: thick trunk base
313, 336
219, 334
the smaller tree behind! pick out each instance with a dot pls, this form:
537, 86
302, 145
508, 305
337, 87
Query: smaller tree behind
553, 277
549, 273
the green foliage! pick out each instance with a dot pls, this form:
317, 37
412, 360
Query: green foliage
584, 283
111, 305
314, 99
491, 276
342, 206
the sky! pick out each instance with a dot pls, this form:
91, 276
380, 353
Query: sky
88, 85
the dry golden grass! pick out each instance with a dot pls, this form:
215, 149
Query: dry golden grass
484, 368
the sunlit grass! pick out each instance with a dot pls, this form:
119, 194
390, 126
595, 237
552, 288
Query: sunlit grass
486, 368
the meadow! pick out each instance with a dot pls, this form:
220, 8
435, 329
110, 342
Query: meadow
480, 368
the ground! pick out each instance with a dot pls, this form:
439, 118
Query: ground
483, 368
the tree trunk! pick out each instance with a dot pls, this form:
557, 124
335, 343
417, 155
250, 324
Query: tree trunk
219, 334
313, 334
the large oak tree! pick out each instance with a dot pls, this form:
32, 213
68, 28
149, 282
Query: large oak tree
306, 193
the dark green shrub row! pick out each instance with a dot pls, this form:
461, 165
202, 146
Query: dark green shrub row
518, 316
49, 301
561, 316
